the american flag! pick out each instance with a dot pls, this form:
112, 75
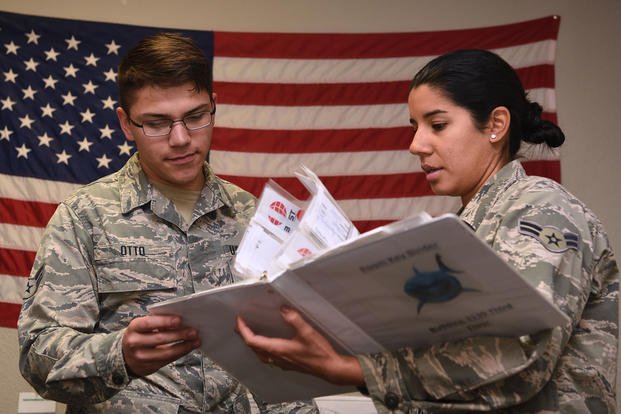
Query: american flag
334, 102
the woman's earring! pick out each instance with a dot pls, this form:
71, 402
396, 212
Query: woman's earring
493, 136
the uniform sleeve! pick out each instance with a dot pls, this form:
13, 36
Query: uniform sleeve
60, 355
474, 374
483, 373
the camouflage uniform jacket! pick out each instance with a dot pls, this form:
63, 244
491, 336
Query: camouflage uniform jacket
560, 247
111, 249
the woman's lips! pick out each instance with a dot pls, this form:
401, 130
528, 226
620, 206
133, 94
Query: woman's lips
431, 172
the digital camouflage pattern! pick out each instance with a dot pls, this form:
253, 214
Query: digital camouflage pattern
560, 247
110, 250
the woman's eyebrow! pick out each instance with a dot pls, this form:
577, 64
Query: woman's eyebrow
429, 114
434, 112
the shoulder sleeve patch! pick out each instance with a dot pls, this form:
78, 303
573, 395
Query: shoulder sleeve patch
32, 285
550, 237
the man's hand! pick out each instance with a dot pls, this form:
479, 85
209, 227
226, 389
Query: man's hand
152, 341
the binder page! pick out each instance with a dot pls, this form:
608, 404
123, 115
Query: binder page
432, 283
325, 221
256, 252
258, 303
275, 220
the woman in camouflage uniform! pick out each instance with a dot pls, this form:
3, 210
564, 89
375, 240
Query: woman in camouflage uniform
470, 114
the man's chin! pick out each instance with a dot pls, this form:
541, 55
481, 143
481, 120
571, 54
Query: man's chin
186, 183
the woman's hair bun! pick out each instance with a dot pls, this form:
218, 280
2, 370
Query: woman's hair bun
538, 130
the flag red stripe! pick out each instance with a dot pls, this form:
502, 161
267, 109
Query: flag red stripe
366, 225
544, 168
16, 262
368, 93
9, 312
312, 94
347, 187
550, 116
316, 141
537, 76
25, 213
379, 45
311, 141
376, 186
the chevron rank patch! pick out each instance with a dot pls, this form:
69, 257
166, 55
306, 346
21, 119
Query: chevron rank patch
552, 238
32, 285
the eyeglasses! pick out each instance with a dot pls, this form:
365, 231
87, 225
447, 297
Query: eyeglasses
162, 127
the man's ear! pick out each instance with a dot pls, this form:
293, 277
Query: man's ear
499, 122
215, 99
124, 121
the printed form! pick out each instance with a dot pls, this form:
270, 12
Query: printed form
285, 229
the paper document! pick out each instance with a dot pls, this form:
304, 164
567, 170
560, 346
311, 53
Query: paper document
285, 229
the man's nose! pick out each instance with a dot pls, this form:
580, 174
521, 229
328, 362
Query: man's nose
179, 134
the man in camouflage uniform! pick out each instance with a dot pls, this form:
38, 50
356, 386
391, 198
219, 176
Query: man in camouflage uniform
162, 227
555, 371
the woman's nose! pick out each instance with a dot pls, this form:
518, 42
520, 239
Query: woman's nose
419, 146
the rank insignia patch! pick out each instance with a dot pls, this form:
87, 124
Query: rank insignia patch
32, 285
552, 238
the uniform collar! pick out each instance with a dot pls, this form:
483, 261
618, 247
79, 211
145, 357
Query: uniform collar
136, 190
495, 187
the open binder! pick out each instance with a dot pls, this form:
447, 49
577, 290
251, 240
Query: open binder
411, 283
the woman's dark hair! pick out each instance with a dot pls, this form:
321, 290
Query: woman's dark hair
479, 81
163, 59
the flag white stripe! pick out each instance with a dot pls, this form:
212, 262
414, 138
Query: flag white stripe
529, 54
333, 163
397, 208
24, 188
539, 152
323, 164
12, 288
334, 116
13, 236
305, 71
546, 97
312, 117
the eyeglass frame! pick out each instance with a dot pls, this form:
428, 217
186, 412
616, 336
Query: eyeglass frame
175, 121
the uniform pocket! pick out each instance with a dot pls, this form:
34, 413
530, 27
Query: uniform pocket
128, 283
137, 269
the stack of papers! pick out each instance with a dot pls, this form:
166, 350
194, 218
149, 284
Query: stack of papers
285, 229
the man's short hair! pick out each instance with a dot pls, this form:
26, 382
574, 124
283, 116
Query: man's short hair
163, 60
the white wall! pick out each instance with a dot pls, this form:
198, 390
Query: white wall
588, 76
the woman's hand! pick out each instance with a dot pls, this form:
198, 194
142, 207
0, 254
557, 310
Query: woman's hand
308, 351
